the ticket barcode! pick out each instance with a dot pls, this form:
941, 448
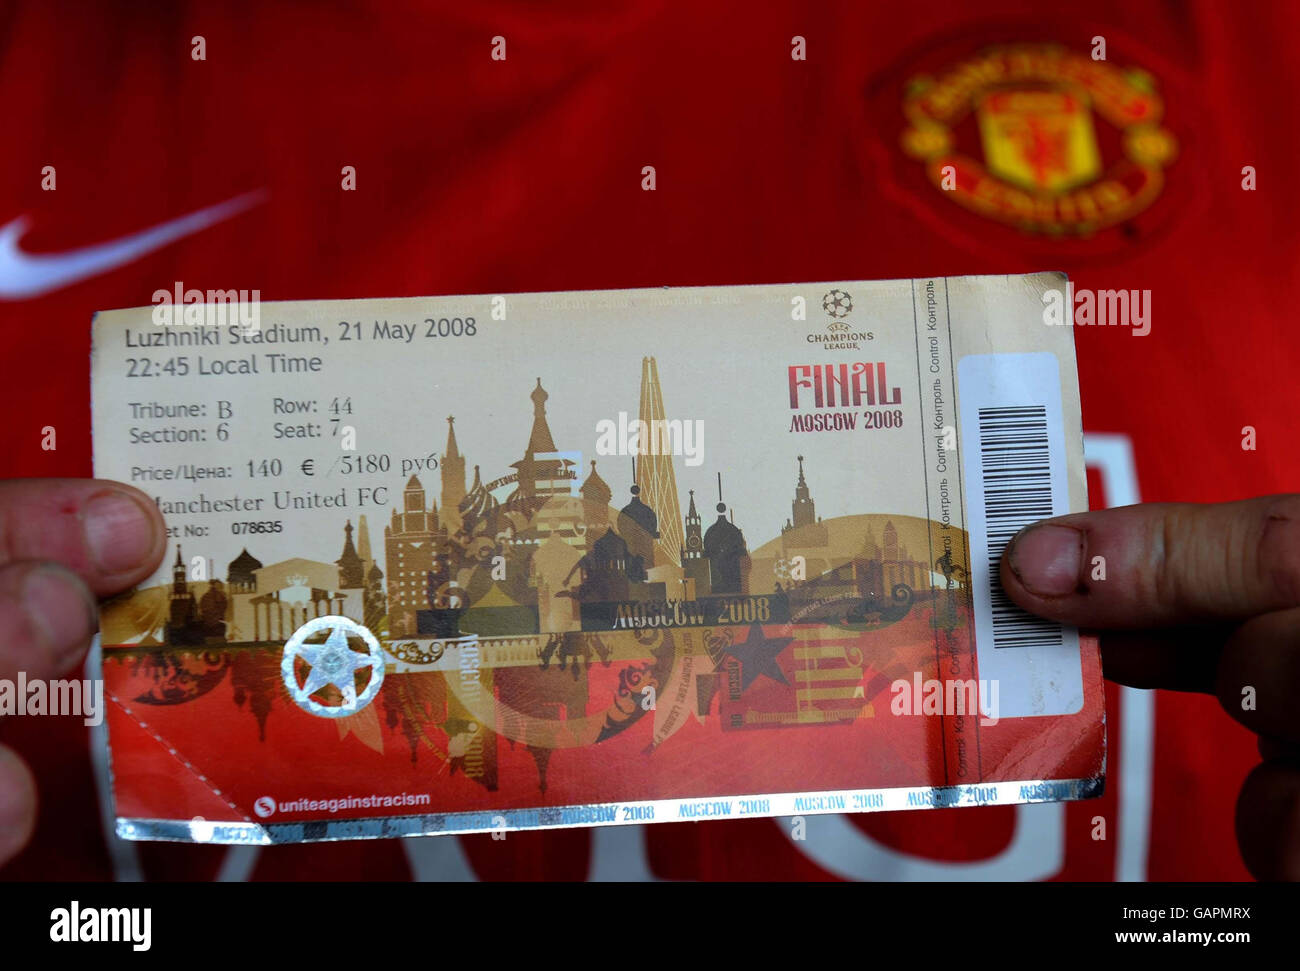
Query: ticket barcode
1014, 473
1016, 460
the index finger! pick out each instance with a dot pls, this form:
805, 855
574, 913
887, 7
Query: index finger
1159, 564
108, 533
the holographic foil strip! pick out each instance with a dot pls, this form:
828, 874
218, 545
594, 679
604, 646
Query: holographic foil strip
614, 814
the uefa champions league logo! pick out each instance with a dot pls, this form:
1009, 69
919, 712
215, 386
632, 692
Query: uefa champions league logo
839, 335
837, 303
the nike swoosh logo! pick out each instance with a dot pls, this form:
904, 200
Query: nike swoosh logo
25, 275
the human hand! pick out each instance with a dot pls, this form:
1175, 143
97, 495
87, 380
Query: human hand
63, 543
1196, 598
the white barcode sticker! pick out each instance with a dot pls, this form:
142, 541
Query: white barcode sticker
1012, 447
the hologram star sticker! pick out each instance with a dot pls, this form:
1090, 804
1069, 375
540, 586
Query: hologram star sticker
757, 655
332, 663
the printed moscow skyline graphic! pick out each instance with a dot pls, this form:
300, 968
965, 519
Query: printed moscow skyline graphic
523, 551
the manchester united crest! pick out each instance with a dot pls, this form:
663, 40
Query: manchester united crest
1041, 137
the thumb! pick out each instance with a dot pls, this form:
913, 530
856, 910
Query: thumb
1159, 564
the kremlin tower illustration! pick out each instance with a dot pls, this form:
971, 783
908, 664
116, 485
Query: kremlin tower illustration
192, 622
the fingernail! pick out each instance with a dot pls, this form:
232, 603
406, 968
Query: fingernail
60, 608
1046, 559
119, 531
